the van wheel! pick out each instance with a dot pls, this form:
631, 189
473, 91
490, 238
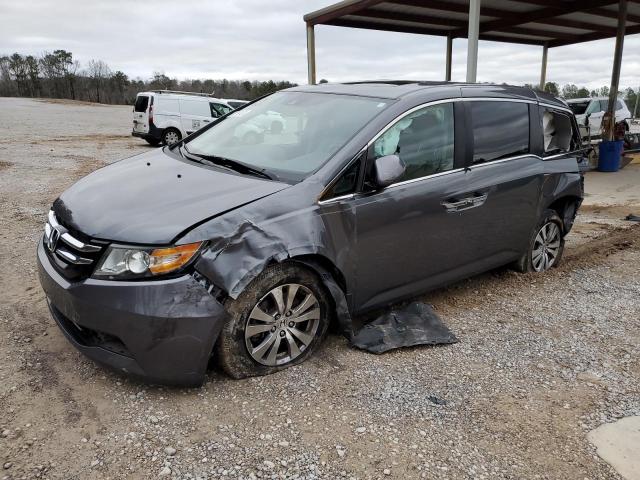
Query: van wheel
171, 136
546, 245
276, 322
154, 142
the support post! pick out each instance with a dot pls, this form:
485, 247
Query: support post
472, 40
311, 54
447, 75
543, 71
617, 62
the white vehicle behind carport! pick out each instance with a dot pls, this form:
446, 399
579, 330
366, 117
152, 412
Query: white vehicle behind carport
165, 116
590, 111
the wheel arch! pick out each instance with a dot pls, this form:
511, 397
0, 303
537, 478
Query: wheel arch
567, 208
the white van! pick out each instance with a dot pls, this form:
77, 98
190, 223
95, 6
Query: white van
165, 116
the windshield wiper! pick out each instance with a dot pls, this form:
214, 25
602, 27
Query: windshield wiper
225, 162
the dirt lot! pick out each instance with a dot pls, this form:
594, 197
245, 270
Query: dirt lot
542, 360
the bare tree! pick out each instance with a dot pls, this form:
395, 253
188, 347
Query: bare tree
98, 72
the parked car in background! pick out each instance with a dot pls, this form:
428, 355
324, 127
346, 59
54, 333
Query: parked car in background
245, 250
236, 103
589, 111
164, 116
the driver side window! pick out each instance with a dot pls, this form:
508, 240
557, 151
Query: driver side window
423, 140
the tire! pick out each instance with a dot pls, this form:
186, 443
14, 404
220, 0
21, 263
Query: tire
552, 254
171, 136
154, 142
256, 307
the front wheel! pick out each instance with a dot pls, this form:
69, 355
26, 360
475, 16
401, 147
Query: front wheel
276, 322
546, 245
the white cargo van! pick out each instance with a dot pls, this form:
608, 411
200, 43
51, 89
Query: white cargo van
165, 116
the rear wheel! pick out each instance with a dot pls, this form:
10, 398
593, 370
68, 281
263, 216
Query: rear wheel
277, 322
546, 245
171, 136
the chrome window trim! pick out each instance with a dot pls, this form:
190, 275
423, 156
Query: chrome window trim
329, 201
503, 160
557, 107
418, 179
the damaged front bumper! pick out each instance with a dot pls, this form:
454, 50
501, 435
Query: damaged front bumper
160, 330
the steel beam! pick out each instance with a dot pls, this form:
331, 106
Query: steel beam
543, 71
447, 75
472, 40
617, 63
311, 54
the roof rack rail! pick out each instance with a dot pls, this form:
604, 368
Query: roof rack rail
180, 92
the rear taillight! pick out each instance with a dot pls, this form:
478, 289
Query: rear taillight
150, 114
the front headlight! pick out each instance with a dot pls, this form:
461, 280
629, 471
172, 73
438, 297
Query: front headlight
133, 262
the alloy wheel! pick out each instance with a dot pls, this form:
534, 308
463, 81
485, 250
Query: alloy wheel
546, 247
282, 325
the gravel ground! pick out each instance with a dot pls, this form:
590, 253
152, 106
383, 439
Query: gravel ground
542, 360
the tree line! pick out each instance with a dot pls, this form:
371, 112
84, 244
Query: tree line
58, 75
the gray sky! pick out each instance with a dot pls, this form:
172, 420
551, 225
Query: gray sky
263, 39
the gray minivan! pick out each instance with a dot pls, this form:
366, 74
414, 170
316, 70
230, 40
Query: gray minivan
245, 248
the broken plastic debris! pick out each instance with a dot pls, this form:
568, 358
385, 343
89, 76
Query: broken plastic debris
414, 324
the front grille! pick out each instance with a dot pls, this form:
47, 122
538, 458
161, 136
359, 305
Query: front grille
73, 257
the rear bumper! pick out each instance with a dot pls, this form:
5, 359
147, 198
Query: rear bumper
162, 331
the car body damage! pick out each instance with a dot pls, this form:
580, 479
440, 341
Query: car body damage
268, 231
246, 247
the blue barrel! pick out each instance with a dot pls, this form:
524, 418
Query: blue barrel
610, 156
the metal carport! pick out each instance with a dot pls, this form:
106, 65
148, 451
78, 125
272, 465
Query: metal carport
548, 23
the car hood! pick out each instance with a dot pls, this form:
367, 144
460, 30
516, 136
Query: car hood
152, 198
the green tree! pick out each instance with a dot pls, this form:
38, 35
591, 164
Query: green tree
552, 88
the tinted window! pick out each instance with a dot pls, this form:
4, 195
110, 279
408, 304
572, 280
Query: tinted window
347, 182
500, 130
217, 109
423, 140
142, 102
195, 107
579, 107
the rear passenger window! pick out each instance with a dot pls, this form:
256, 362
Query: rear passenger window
558, 132
500, 130
423, 140
142, 102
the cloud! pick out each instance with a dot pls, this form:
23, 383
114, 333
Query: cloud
260, 40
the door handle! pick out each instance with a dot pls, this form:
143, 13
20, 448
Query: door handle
206, 121
476, 200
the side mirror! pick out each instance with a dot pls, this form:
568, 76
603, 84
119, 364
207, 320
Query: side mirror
388, 169
586, 119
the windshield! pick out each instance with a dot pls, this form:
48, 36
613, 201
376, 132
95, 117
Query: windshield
288, 134
579, 108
